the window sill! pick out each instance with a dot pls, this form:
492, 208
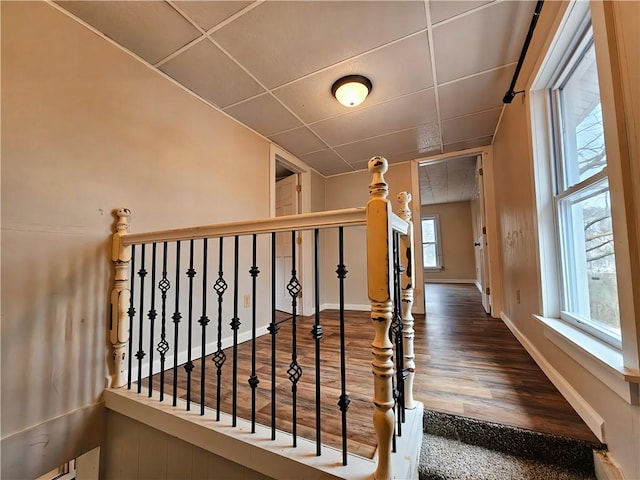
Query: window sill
433, 269
600, 359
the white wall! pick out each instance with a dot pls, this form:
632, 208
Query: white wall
86, 128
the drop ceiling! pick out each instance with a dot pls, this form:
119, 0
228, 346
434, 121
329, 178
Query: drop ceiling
439, 68
448, 181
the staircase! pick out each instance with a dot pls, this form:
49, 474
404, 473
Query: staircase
461, 448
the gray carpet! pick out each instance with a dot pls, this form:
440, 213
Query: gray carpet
460, 448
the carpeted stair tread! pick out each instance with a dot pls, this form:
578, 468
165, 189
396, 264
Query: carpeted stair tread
460, 448
446, 459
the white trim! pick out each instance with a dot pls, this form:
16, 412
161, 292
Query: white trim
605, 467
599, 358
593, 420
196, 353
478, 286
348, 306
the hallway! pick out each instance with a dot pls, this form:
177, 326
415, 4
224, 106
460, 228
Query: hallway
470, 364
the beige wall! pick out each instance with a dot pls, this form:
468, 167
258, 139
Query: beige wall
347, 191
456, 242
85, 129
519, 244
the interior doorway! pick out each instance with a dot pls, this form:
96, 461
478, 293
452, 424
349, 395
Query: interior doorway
287, 203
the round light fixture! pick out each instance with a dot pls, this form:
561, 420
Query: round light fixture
351, 90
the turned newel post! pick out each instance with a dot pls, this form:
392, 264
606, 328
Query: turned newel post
407, 285
120, 297
380, 287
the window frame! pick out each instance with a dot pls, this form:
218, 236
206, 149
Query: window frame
561, 191
437, 241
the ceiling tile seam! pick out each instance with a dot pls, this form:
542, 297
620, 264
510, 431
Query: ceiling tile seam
469, 12
364, 169
152, 68
478, 112
337, 64
467, 77
469, 140
330, 117
385, 134
246, 70
427, 12
350, 59
203, 33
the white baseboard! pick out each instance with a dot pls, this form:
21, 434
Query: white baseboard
348, 306
581, 406
478, 286
196, 353
605, 468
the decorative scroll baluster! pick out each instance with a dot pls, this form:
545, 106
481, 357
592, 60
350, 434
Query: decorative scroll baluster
163, 346
344, 401
396, 334
140, 353
379, 290
219, 357
132, 313
253, 379
235, 325
189, 365
176, 317
408, 278
152, 315
273, 331
317, 333
120, 301
294, 371
204, 321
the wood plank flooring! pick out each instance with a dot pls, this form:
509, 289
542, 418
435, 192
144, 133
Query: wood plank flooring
467, 363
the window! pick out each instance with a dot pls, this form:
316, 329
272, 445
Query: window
430, 243
589, 295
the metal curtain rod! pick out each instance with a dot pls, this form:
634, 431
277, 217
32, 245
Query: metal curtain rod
508, 97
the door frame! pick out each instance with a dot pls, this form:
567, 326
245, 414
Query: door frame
305, 257
495, 278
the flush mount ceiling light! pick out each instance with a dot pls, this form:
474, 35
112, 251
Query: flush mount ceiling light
351, 90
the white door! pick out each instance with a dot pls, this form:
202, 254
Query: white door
286, 204
481, 241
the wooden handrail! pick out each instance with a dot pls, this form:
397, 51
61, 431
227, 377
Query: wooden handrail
306, 221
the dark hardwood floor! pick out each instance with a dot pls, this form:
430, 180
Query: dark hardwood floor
467, 363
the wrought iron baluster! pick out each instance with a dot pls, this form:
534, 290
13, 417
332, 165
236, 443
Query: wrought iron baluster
343, 401
273, 331
294, 371
131, 312
204, 321
163, 345
177, 316
253, 379
395, 334
317, 332
140, 353
220, 286
189, 365
152, 315
235, 325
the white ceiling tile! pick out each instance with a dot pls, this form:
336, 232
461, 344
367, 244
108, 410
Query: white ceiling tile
444, 9
471, 126
474, 94
398, 69
299, 141
463, 145
416, 140
491, 37
281, 41
209, 14
211, 74
152, 30
326, 162
399, 114
264, 114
